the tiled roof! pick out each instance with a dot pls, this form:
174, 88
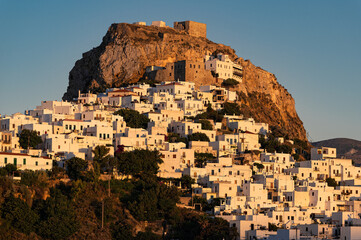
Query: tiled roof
73, 120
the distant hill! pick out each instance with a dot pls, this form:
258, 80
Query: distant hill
348, 148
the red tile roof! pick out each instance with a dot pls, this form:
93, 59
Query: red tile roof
120, 90
15, 154
249, 132
134, 87
73, 120
174, 83
20, 154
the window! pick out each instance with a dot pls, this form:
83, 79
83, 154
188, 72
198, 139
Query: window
6, 160
24, 161
15, 161
36, 163
47, 163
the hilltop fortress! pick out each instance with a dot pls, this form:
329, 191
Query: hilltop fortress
130, 53
195, 29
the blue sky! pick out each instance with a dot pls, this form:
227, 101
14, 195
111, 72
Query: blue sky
313, 48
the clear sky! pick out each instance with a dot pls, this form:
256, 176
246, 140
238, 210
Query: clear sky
313, 48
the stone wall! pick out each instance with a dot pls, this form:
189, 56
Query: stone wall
186, 70
192, 28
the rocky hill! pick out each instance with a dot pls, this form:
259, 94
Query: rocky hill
348, 148
127, 49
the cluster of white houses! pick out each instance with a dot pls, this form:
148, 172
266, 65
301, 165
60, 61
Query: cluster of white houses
293, 196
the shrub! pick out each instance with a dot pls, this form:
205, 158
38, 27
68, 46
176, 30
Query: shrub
75, 168
133, 118
198, 137
230, 82
230, 108
16, 212
29, 139
206, 125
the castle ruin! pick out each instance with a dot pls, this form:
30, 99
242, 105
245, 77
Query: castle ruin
192, 28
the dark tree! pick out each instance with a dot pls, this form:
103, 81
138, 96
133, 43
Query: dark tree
198, 226
58, 218
101, 156
210, 114
8, 169
202, 158
147, 236
230, 108
75, 168
133, 118
151, 200
206, 125
187, 181
174, 137
122, 230
198, 137
230, 82
29, 139
19, 215
331, 182
139, 162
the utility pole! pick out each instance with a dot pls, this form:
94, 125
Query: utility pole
192, 195
28, 143
102, 213
109, 187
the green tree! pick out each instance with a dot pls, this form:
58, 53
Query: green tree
175, 137
75, 168
210, 113
139, 162
331, 182
93, 174
148, 235
230, 82
122, 230
19, 215
9, 169
187, 181
198, 137
199, 200
202, 158
260, 166
199, 226
206, 125
101, 156
272, 227
34, 178
151, 200
133, 118
29, 139
230, 108
58, 218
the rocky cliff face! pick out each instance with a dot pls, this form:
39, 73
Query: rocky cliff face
127, 49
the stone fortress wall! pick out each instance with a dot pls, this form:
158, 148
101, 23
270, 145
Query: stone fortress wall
192, 28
